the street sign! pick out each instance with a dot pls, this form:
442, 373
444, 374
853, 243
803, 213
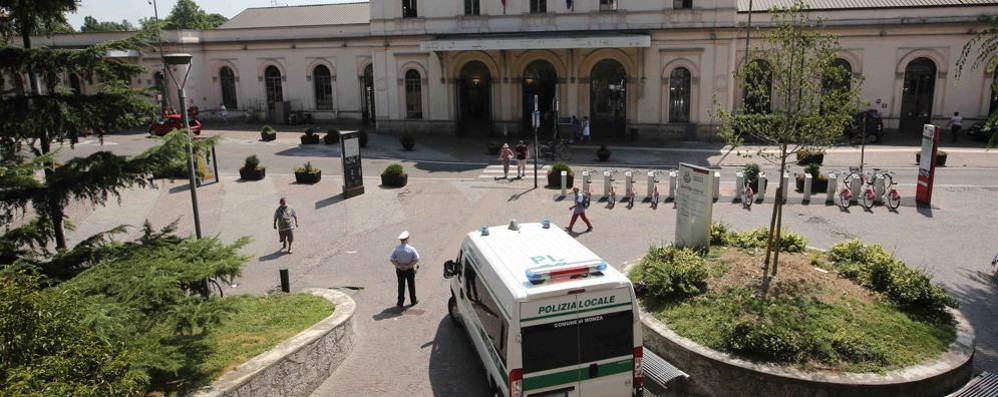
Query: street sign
927, 164
693, 207
207, 167
353, 176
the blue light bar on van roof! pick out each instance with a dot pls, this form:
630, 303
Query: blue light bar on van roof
537, 275
484, 230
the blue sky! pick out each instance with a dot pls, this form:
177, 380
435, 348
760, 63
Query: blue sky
133, 10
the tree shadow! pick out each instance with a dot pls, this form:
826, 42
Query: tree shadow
319, 150
521, 194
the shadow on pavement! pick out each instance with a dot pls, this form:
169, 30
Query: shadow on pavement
269, 257
328, 201
521, 194
977, 297
438, 167
309, 151
389, 313
455, 369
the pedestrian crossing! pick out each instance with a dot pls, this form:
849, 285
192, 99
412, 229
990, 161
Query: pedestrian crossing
494, 171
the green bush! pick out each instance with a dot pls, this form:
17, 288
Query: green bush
408, 141
669, 272
267, 129
758, 238
719, 234
558, 167
393, 170
814, 169
332, 137
252, 163
268, 133
751, 172
308, 168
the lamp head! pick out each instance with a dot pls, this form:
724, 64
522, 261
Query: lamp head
177, 59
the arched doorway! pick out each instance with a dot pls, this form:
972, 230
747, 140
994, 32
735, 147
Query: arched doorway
540, 79
994, 96
608, 99
77, 88
474, 99
917, 95
367, 96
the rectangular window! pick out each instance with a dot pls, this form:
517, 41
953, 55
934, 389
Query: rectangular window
682, 4
409, 9
594, 338
538, 6
413, 95
323, 92
608, 5
472, 7
606, 336
493, 322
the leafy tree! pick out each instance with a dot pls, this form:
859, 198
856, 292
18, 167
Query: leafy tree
91, 24
187, 14
28, 17
980, 51
795, 98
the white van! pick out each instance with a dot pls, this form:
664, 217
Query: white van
547, 316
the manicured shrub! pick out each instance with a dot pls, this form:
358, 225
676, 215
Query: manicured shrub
751, 172
669, 272
332, 137
758, 238
268, 133
719, 234
393, 170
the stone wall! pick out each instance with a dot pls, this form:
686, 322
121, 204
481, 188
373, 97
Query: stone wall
298, 365
713, 373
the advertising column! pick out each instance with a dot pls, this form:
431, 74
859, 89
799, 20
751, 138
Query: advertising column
353, 176
927, 164
693, 207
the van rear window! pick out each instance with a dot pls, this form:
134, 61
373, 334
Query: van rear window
577, 341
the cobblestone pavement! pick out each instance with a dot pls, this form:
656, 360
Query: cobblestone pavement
344, 243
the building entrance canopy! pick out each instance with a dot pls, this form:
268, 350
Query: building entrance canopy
534, 42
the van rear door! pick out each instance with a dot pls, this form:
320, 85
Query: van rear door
578, 345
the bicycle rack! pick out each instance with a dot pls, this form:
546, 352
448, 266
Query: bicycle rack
651, 184
786, 186
760, 187
628, 184
586, 181
673, 177
808, 180
717, 185
833, 186
607, 181
879, 187
739, 185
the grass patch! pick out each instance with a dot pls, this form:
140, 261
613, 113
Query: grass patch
257, 325
812, 319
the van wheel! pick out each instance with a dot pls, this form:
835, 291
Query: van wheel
455, 316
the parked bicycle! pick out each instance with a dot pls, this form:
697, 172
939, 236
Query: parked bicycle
845, 195
631, 196
558, 150
892, 197
612, 198
869, 196
654, 195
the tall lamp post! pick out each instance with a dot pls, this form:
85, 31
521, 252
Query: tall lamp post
185, 60
164, 100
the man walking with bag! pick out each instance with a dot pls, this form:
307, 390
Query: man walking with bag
405, 258
578, 211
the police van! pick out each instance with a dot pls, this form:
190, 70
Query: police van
547, 316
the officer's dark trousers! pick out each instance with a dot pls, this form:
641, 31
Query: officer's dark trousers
406, 276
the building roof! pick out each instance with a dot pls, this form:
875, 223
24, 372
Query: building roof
307, 15
763, 5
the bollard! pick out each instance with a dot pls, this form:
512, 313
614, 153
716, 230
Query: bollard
808, 179
673, 177
285, 282
606, 184
586, 181
739, 185
760, 188
833, 185
879, 188
628, 184
786, 186
855, 185
717, 184
564, 181
651, 183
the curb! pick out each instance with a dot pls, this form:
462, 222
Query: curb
297, 366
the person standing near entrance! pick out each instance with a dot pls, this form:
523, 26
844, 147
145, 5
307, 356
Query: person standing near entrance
282, 222
505, 155
578, 211
576, 129
405, 258
956, 123
222, 111
585, 129
522, 154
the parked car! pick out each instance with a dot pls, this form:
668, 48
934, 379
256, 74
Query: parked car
978, 132
172, 122
874, 126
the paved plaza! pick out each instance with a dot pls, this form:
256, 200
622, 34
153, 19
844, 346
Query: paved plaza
344, 243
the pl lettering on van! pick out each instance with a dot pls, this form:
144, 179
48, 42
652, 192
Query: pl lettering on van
583, 304
547, 261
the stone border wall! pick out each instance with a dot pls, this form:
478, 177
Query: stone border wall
713, 373
297, 366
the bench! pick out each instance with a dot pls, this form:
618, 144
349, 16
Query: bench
984, 385
658, 373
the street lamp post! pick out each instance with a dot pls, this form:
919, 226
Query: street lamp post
185, 60
164, 100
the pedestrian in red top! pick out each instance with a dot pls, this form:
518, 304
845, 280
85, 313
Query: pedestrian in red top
522, 154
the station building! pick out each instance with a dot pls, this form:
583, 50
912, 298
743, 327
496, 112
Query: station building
473, 67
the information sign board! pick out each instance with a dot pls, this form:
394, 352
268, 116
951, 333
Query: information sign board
353, 176
927, 164
693, 207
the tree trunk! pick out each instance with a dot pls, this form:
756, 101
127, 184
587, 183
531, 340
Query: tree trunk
779, 210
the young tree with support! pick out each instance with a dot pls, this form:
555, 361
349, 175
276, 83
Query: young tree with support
982, 51
795, 98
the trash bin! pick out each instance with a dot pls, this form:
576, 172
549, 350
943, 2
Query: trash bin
634, 133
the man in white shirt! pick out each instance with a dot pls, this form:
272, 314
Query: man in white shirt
956, 123
404, 257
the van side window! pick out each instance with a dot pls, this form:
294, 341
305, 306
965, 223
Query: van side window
486, 310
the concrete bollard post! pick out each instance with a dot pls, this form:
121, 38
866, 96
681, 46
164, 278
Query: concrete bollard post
673, 177
564, 183
760, 188
786, 186
856, 185
833, 185
808, 180
739, 185
285, 280
651, 183
717, 185
606, 183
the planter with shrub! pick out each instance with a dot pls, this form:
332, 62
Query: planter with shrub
493, 148
603, 153
307, 174
554, 175
252, 170
408, 141
810, 156
332, 137
751, 171
940, 158
819, 182
268, 134
394, 176
310, 137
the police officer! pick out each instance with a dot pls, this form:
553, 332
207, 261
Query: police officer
405, 258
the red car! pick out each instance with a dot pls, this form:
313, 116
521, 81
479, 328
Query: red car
172, 122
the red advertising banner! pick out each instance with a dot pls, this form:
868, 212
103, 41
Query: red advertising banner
927, 164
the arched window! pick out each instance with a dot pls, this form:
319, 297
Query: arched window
76, 87
758, 77
680, 82
322, 82
275, 91
227, 78
413, 95
839, 75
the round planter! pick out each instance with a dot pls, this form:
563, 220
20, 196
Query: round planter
554, 180
713, 373
306, 178
940, 159
603, 156
817, 185
331, 138
252, 175
363, 138
268, 137
310, 139
395, 180
811, 159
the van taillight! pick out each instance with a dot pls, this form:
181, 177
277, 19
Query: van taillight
516, 383
639, 374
